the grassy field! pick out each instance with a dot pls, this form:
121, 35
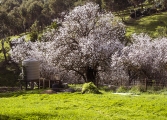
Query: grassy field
153, 25
76, 106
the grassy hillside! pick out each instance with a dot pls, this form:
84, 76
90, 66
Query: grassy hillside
154, 25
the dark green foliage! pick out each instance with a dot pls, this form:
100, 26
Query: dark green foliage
90, 88
8, 78
24, 13
21, 14
33, 36
9, 74
54, 25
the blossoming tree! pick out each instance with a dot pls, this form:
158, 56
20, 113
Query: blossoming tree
87, 40
84, 43
145, 59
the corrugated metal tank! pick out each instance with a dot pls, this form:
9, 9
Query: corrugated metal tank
31, 69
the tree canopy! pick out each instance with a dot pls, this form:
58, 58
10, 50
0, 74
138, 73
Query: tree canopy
85, 41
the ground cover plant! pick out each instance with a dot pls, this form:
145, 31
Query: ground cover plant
90, 88
74, 106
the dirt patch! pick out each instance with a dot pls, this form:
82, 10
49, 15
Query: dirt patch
48, 92
126, 94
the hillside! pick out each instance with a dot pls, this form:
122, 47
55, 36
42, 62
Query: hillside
154, 25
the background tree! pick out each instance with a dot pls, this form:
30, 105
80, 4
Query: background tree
120, 7
4, 32
163, 3
136, 3
145, 59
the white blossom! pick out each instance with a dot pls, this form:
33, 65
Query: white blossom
146, 58
86, 37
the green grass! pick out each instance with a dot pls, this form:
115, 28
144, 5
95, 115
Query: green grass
7, 48
76, 106
147, 24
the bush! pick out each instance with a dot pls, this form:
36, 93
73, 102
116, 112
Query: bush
154, 89
107, 88
163, 91
137, 89
33, 36
90, 88
122, 89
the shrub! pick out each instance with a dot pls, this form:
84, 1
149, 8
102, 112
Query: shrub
122, 89
163, 91
90, 88
137, 89
33, 36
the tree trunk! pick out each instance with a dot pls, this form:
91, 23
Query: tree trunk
3, 50
91, 75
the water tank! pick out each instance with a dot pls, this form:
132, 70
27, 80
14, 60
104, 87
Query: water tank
31, 69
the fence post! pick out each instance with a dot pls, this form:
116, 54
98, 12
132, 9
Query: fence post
145, 84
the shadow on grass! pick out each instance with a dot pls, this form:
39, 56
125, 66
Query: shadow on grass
29, 116
4, 117
18, 93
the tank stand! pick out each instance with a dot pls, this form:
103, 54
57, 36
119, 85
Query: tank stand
25, 83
